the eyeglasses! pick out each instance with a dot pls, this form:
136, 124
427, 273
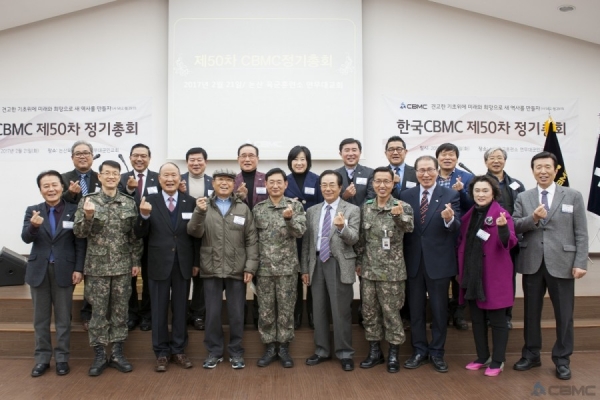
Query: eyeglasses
142, 156
385, 182
393, 150
81, 154
109, 174
250, 156
330, 185
428, 171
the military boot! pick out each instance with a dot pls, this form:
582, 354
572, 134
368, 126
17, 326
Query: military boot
100, 362
118, 360
269, 356
393, 365
284, 355
375, 356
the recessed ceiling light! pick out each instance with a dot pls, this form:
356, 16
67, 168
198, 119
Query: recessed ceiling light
566, 8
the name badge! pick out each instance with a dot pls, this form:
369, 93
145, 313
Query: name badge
186, 215
567, 208
67, 224
361, 181
97, 189
238, 220
483, 235
514, 185
410, 184
261, 190
152, 189
385, 243
309, 190
210, 192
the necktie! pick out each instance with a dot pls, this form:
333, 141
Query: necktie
52, 220
545, 203
83, 185
424, 206
350, 175
399, 184
171, 204
140, 185
325, 230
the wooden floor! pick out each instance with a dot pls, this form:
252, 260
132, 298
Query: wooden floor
324, 381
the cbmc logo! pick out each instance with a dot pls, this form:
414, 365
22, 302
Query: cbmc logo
412, 106
563, 390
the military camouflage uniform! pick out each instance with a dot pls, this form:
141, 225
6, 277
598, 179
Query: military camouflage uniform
112, 250
383, 271
278, 268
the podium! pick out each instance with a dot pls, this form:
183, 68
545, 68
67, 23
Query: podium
12, 268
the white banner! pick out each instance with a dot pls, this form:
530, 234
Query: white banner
33, 128
475, 124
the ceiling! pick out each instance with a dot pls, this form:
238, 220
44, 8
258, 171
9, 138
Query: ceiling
583, 23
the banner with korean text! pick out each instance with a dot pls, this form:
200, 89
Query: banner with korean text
30, 129
475, 124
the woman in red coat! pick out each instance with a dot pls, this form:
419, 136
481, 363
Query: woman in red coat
485, 271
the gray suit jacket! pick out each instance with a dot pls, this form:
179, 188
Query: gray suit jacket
340, 243
562, 241
364, 191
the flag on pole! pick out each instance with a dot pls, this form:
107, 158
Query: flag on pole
551, 145
594, 199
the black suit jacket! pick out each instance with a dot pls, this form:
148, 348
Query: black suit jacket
73, 176
69, 251
151, 181
432, 240
207, 184
410, 175
166, 241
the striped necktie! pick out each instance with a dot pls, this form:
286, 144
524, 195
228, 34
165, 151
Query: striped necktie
424, 206
83, 185
325, 230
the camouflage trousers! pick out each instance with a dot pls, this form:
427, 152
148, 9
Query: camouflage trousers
381, 304
109, 296
276, 301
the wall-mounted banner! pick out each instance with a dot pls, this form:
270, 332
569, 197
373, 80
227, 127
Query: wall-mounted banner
475, 124
32, 128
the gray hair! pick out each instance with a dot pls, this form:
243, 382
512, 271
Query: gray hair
486, 155
77, 143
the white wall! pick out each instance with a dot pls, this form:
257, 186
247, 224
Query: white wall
411, 47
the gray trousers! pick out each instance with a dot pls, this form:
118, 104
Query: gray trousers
329, 292
44, 297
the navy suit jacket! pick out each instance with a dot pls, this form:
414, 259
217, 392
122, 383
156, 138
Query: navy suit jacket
73, 176
166, 241
432, 241
365, 191
308, 200
151, 181
68, 251
207, 183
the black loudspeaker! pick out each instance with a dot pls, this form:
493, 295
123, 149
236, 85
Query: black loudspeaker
12, 268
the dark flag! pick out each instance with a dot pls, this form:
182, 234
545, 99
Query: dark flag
553, 147
594, 199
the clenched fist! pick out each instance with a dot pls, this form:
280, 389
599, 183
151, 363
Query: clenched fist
201, 203
288, 213
36, 220
145, 208
89, 209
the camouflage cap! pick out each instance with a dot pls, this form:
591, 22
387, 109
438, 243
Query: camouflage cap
224, 172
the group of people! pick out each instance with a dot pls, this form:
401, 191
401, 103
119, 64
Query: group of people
409, 234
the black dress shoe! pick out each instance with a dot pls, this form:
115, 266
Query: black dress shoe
199, 324
525, 364
131, 324
316, 359
439, 364
39, 369
415, 361
461, 324
146, 324
347, 364
62, 368
563, 372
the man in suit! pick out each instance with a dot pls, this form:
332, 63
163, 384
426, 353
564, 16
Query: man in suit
328, 266
430, 255
357, 180
139, 183
173, 257
55, 266
456, 179
197, 184
81, 181
405, 175
249, 186
495, 160
553, 253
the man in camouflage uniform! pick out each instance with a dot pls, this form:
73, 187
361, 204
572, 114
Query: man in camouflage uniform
279, 222
380, 262
106, 219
